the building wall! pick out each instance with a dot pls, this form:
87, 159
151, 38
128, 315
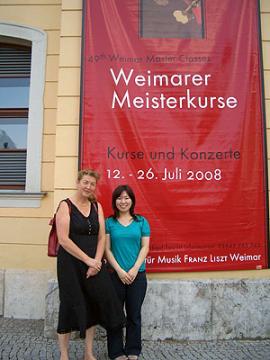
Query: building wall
24, 231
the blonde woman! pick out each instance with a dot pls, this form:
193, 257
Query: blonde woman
87, 296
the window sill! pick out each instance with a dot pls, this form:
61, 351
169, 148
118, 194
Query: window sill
20, 199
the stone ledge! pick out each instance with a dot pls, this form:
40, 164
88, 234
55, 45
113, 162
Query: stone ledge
2, 276
24, 293
194, 310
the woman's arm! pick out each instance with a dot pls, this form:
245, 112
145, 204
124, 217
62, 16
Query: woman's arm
122, 274
101, 240
101, 234
141, 257
62, 227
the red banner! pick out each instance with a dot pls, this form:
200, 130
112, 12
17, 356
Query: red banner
172, 105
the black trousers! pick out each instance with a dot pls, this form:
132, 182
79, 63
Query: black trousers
131, 296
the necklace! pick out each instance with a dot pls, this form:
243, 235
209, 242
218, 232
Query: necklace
125, 220
83, 207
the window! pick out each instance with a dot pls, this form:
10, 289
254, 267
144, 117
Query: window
15, 70
22, 80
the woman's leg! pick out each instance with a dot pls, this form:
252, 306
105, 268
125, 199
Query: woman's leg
63, 340
115, 342
89, 339
134, 300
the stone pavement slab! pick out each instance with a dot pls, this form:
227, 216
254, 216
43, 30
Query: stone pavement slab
24, 340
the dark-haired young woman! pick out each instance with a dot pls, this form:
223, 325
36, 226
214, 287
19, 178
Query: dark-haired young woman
127, 244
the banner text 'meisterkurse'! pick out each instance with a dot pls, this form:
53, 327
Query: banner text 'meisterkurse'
162, 100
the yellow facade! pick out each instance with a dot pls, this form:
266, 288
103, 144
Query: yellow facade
24, 231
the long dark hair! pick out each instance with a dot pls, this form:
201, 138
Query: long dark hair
116, 194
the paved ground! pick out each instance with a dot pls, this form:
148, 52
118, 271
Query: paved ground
23, 340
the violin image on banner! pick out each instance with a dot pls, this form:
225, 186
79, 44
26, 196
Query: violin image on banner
172, 19
184, 16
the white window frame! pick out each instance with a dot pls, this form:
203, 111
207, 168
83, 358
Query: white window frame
31, 195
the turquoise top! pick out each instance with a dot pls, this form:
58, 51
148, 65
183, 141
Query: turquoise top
126, 240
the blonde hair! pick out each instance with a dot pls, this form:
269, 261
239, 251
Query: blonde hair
89, 172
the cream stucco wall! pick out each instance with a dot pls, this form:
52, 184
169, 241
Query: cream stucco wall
25, 245
23, 234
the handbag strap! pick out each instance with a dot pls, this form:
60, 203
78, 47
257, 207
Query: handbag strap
69, 205
95, 204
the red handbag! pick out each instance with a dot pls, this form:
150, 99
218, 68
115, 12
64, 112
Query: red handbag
53, 243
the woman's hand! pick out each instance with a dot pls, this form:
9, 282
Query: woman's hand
91, 272
124, 277
93, 263
133, 273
